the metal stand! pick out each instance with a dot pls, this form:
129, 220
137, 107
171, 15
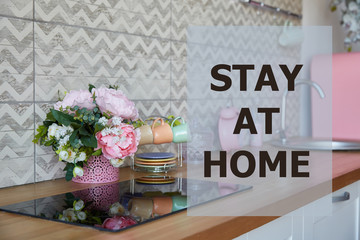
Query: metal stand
180, 155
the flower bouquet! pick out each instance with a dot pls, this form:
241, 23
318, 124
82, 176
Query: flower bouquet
98, 122
350, 10
114, 217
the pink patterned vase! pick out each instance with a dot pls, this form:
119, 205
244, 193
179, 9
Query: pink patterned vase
101, 197
98, 170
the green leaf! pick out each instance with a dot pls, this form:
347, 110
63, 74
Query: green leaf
97, 219
91, 87
94, 98
36, 140
73, 138
50, 117
84, 132
107, 115
75, 125
177, 122
98, 127
97, 152
70, 196
89, 141
69, 173
137, 123
50, 142
47, 123
69, 203
66, 167
42, 131
63, 118
333, 8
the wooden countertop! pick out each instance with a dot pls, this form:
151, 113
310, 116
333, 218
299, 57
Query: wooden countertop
346, 170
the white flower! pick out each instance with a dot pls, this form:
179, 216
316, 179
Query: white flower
353, 7
78, 171
81, 215
64, 155
116, 209
78, 205
116, 162
350, 22
64, 140
71, 157
347, 40
116, 131
61, 132
70, 215
62, 218
105, 131
103, 121
52, 130
116, 120
81, 157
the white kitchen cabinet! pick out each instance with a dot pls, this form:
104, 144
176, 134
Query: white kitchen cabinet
280, 229
318, 220
242, 237
342, 224
287, 227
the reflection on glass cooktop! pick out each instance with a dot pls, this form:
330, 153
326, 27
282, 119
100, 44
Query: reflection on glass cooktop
118, 206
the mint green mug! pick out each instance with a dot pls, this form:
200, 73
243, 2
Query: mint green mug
178, 202
181, 132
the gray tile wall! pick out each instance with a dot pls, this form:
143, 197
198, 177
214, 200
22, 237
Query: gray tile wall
51, 46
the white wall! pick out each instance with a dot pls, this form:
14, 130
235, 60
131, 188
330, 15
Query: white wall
317, 12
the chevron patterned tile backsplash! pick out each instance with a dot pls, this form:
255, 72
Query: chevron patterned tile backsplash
16, 60
149, 18
16, 147
17, 8
49, 47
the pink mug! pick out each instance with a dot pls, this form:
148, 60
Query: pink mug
226, 125
162, 133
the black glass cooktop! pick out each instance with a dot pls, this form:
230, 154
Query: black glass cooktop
118, 206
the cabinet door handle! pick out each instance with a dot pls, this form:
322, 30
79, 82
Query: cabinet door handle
342, 198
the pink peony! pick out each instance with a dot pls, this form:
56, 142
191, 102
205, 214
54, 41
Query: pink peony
81, 98
114, 101
117, 222
119, 141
